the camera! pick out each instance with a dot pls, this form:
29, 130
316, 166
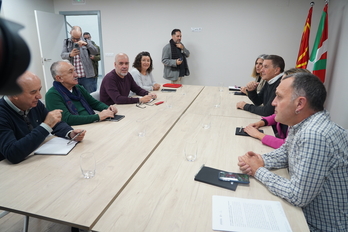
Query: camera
76, 45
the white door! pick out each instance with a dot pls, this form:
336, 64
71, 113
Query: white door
51, 33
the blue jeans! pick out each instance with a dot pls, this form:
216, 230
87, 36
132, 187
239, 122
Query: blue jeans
90, 84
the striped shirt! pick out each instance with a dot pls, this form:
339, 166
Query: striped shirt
316, 154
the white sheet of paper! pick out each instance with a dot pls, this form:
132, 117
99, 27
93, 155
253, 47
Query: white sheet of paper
55, 146
248, 215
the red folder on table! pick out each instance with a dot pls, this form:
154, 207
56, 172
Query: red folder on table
170, 85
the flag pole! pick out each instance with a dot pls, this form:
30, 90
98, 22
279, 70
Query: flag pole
312, 3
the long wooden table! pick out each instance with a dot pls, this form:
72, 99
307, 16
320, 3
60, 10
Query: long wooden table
52, 187
142, 184
163, 195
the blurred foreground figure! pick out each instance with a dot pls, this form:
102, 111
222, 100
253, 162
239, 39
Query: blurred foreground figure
14, 57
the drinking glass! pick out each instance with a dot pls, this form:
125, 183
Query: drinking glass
141, 127
87, 165
217, 100
206, 122
169, 99
182, 90
190, 150
221, 87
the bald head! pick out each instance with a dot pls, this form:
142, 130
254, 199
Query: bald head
120, 56
121, 64
76, 33
76, 28
26, 78
31, 86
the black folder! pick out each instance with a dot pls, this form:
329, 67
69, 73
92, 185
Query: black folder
116, 118
240, 131
211, 176
239, 93
168, 90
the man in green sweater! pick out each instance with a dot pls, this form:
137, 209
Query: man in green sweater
77, 104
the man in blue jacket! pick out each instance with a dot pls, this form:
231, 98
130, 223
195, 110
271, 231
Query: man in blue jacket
25, 122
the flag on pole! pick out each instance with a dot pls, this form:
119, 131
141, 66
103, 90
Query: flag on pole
303, 53
317, 61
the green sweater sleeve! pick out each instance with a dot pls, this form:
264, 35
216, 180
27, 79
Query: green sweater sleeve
55, 101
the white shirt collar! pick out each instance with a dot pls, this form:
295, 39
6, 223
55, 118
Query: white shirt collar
14, 107
274, 79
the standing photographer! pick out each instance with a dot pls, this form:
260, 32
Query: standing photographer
78, 51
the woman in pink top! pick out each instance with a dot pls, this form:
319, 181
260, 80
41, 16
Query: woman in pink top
281, 130
268, 140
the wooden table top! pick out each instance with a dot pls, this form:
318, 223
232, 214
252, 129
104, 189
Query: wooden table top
142, 183
52, 187
163, 195
207, 100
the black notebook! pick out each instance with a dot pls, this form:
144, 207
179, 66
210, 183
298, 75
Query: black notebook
168, 90
116, 118
239, 93
240, 131
211, 176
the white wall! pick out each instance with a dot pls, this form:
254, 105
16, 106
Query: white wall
22, 11
337, 101
234, 33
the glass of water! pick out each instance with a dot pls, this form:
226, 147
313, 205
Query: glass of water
87, 165
141, 127
190, 151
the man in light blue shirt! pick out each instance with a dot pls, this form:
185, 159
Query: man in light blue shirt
315, 152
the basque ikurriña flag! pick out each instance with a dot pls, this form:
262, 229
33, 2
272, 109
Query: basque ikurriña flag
317, 61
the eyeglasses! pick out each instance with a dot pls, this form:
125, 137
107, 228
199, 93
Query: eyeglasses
140, 105
75, 39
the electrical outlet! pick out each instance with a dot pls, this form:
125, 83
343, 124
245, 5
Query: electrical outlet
78, 2
196, 29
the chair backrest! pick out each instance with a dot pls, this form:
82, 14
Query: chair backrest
96, 95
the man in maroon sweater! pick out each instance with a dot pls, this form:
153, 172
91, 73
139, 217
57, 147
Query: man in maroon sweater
116, 85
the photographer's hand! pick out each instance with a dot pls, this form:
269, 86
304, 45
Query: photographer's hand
74, 52
82, 43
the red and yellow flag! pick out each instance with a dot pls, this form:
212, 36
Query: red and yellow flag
303, 53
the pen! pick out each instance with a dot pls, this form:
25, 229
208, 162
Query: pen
75, 137
240, 129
